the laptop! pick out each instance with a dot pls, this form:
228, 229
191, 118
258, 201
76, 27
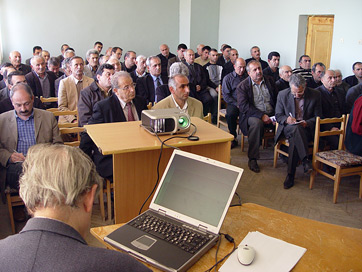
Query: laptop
185, 215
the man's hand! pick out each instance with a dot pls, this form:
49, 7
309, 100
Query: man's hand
198, 88
303, 123
17, 157
291, 120
334, 129
266, 120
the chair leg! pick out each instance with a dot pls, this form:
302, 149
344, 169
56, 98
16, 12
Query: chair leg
10, 207
337, 181
311, 179
275, 155
360, 187
101, 203
242, 142
109, 201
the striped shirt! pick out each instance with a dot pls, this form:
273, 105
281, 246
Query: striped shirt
26, 133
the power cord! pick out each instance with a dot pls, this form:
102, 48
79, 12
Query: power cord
231, 240
239, 200
163, 143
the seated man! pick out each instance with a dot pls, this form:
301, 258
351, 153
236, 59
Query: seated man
285, 72
37, 51
352, 94
214, 70
147, 85
255, 55
97, 91
304, 67
15, 59
297, 104
165, 56
91, 68
54, 66
204, 57
256, 100
273, 66
58, 187
66, 67
122, 106
353, 140
116, 64
5, 92
25, 126
357, 77
70, 87
229, 84
181, 48
317, 70
179, 98
129, 64
140, 70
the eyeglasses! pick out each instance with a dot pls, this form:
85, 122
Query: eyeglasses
128, 87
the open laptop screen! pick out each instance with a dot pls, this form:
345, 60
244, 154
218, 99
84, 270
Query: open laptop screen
198, 189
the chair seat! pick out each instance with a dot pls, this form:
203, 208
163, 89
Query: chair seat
340, 157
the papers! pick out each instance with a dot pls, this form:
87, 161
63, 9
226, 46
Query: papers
298, 122
271, 255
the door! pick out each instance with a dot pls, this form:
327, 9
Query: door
318, 43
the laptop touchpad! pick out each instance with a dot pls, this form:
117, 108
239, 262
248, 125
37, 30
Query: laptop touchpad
144, 242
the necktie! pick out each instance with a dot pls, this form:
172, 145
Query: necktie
129, 112
158, 82
79, 87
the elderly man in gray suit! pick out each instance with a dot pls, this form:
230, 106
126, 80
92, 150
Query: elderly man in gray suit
20, 129
58, 187
296, 111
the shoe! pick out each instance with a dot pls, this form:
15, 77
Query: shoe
289, 182
253, 166
307, 165
234, 144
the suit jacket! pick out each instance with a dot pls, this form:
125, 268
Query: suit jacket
194, 106
24, 68
146, 88
2, 84
50, 245
4, 93
68, 96
7, 105
246, 103
164, 62
352, 94
34, 83
46, 131
108, 110
134, 76
285, 105
198, 77
87, 99
263, 63
351, 80
57, 82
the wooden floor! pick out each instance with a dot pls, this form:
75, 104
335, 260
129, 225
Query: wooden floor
266, 188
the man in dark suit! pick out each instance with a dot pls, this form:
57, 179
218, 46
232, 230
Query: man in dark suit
60, 195
285, 72
164, 56
54, 66
256, 96
122, 106
181, 48
147, 85
41, 81
255, 55
297, 104
318, 69
129, 64
15, 59
140, 70
357, 77
225, 57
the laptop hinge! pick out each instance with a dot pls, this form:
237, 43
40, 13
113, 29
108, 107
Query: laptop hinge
202, 228
162, 212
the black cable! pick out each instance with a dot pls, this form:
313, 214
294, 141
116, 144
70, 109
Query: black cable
159, 159
239, 198
231, 240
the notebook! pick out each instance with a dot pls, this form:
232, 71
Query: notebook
191, 201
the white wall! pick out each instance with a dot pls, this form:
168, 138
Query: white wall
140, 25
273, 25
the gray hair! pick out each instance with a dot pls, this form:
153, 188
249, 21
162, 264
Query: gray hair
338, 71
141, 57
21, 86
179, 68
148, 61
172, 80
115, 78
324, 72
90, 52
297, 80
35, 58
56, 175
66, 62
252, 62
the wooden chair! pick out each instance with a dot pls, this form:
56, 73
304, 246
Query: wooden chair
13, 200
268, 134
149, 105
344, 163
106, 190
58, 113
207, 118
72, 130
48, 99
221, 113
277, 147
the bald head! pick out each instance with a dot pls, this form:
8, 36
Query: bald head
165, 50
189, 56
199, 48
15, 58
240, 66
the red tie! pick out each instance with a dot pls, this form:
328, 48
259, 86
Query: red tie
130, 113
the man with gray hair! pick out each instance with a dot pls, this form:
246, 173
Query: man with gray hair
179, 98
122, 106
296, 111
61, 202
140, 70
41, 81
67, 72
285, 72
92, 57
54, 66
15, 59
25, 126
147, 85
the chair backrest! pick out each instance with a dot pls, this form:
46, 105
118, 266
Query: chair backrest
48, 99
319, 133
72, 130
149, 105
58, 113
207, 118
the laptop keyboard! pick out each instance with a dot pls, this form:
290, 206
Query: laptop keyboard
182, 237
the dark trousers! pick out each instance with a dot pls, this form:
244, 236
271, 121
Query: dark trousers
298, 138
256, 128
207, 101
232, 114
13, 173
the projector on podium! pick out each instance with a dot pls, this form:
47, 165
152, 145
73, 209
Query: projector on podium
165, 121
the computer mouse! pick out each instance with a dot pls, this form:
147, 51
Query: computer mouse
246, 254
